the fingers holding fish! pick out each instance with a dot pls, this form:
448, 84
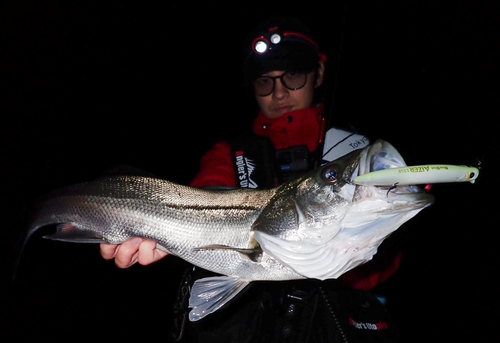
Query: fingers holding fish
127, 252
108, 251
149, 253
132, 251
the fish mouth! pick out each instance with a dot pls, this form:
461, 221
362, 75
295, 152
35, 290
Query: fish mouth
382, 155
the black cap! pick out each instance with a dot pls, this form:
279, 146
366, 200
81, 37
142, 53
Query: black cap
279, 43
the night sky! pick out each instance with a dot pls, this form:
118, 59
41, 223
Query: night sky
88, 85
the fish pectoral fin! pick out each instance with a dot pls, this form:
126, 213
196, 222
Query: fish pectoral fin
69, 232
211, 293
253, 254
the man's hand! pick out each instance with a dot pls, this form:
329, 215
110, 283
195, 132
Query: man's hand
134, 250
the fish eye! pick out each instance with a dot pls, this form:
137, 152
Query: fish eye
330, 174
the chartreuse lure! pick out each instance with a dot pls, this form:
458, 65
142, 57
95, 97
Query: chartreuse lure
416, 175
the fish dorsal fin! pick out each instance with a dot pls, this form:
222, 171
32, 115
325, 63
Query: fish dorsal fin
211, 293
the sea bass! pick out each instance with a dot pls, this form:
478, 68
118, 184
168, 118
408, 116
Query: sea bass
319, 225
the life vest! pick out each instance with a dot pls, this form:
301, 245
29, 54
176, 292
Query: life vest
281, 149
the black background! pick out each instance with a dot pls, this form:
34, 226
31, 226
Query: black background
86, 85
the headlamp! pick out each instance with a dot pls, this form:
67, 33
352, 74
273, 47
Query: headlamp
260, 45
280, 43
276, 38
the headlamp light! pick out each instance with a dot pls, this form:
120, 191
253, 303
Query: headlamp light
276, 38
260, 45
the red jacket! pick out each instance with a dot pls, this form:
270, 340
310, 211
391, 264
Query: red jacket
296, 128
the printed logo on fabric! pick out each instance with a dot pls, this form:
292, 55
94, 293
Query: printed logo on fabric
368, 326
245, 168
359, 143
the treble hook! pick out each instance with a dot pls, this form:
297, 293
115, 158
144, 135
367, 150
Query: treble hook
390, 189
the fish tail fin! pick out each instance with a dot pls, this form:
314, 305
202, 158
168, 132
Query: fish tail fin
20, 247
67, 232
211, 293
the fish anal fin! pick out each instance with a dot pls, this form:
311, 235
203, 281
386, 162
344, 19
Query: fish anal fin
211, 293
253, 254
70, 232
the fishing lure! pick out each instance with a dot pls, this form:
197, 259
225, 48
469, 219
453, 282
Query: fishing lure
416, 175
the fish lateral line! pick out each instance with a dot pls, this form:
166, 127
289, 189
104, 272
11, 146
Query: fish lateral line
226, 207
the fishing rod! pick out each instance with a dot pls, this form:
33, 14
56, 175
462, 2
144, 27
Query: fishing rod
329, 102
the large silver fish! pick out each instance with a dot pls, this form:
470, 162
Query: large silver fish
318, 226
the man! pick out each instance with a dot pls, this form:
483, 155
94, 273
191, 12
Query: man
285, 68
279, 101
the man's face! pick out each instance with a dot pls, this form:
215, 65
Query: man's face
283, 100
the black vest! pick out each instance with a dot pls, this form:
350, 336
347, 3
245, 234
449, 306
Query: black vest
258, 165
